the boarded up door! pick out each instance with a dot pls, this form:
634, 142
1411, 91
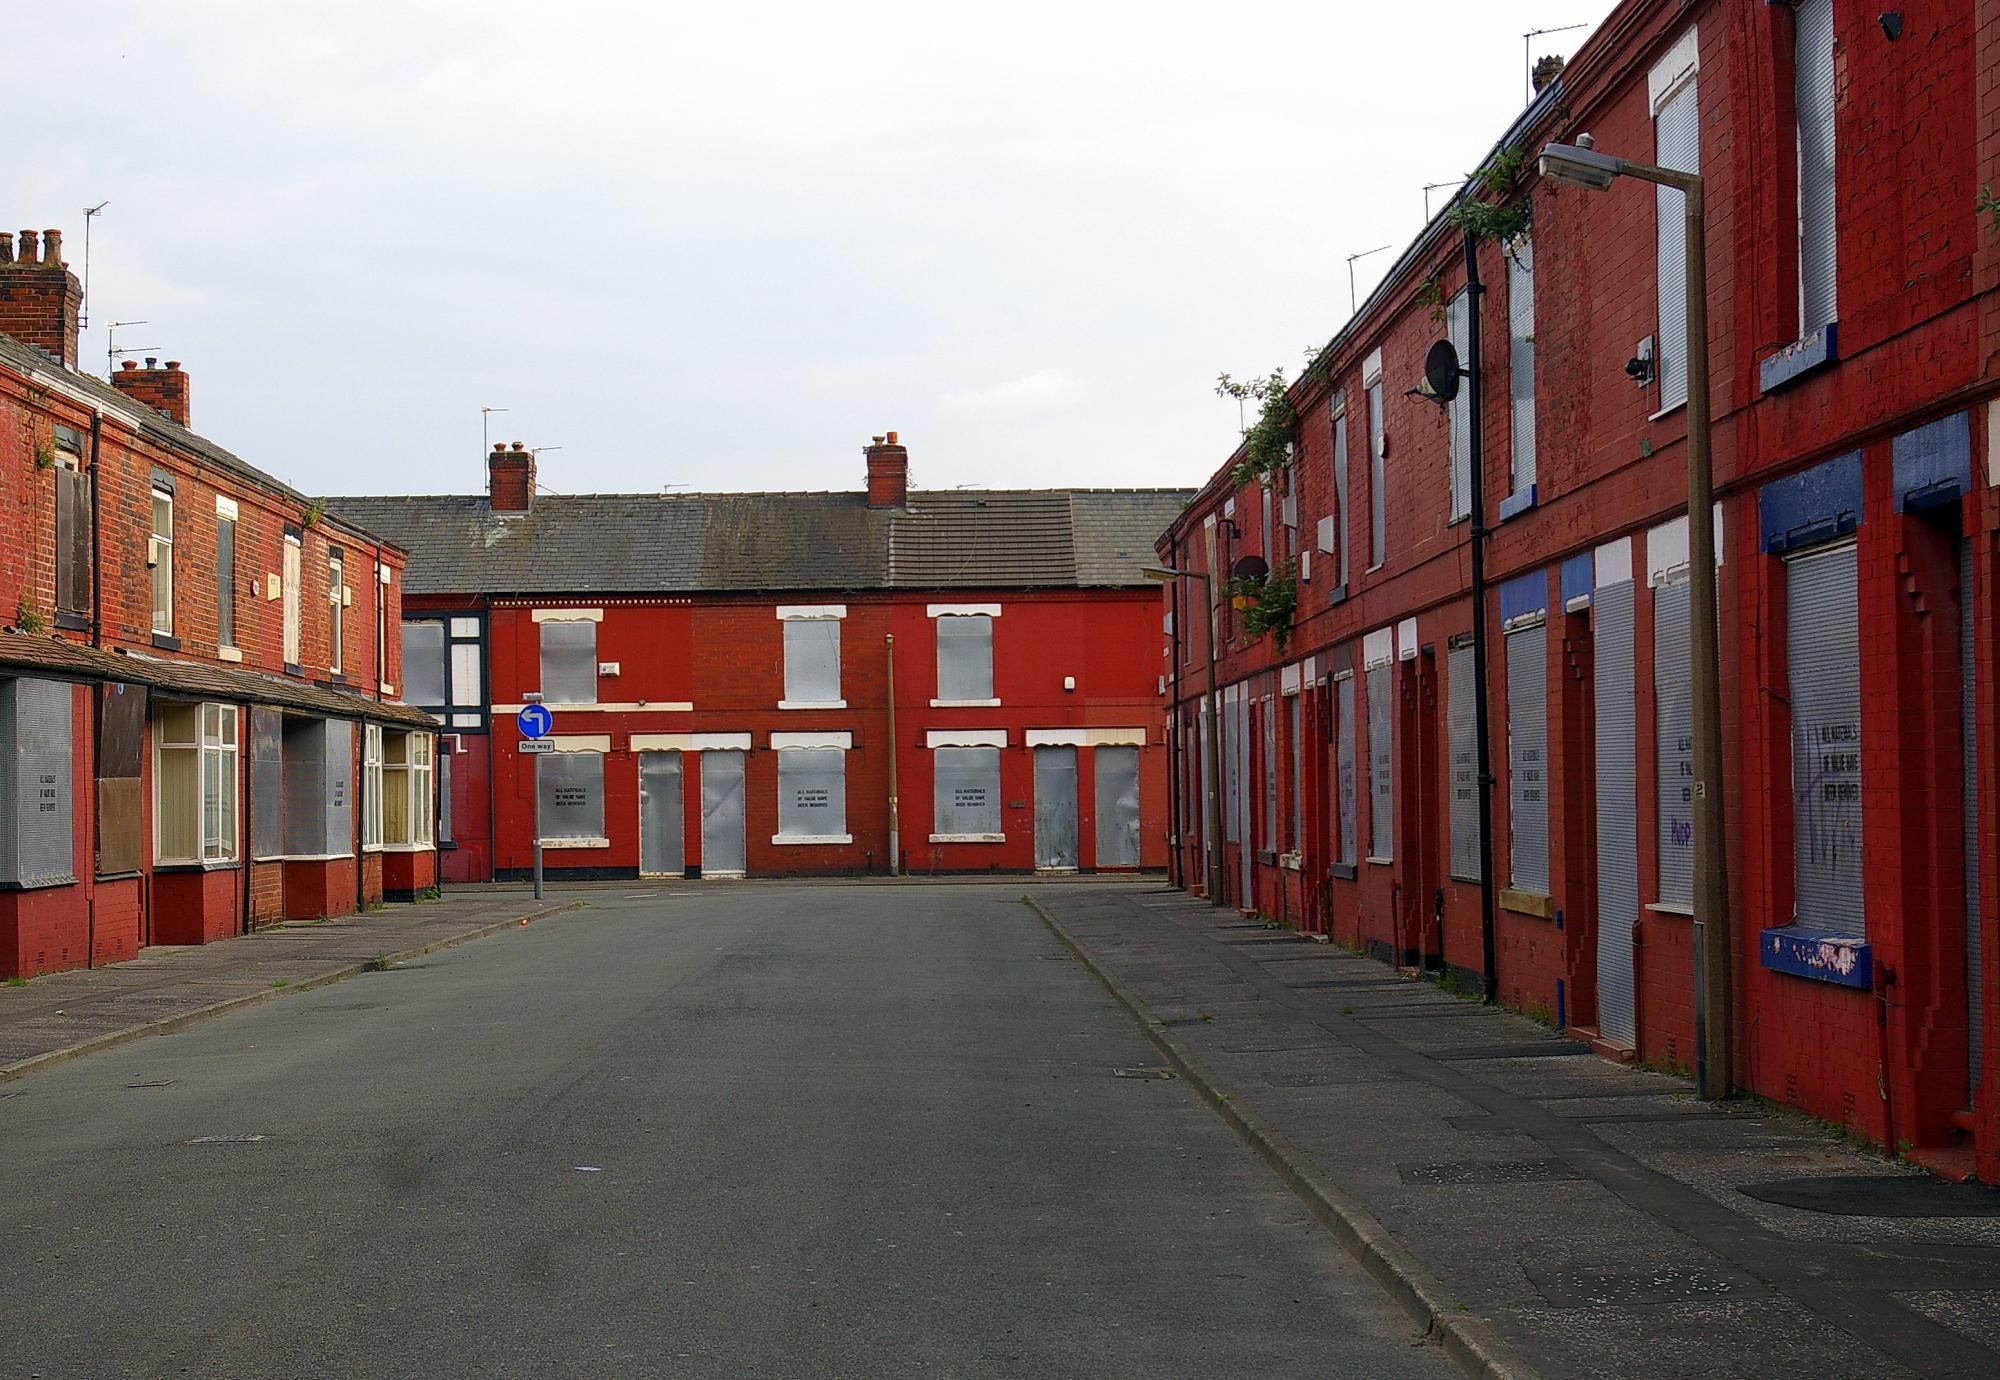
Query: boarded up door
1055, 807
662, 817
722, 813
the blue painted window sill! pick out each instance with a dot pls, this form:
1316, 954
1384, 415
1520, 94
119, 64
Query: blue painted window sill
1820, 957
1516, 504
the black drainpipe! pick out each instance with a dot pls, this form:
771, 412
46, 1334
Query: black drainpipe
1174, 763
96, 536
1490, 985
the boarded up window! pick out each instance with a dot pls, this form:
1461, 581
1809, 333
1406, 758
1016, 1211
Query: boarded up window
1677, 139
812, 793
1265, 711
1381, 768
1813, 98
1823, 648
121, 748
294, 555
1344, 770
36, 846
1673, 716
569, 661
1462, 728
1521, 363
72, 540
965, 656
571, 790
1527, 757
1296, 717
423, 663
966, 790
318, 786
1340, 482
812, 660
1378, 494
225, 582
1459, 410
267, 783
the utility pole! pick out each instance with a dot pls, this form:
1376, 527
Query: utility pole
895, 823
1489, 958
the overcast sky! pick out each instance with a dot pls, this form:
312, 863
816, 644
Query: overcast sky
719, 246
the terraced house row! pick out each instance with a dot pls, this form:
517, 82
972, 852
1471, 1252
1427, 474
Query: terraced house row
1853, 256
200, 727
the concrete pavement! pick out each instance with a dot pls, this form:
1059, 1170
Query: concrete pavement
1590, 1219
736, 1131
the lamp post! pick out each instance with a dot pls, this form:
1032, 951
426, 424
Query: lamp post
1583, 166
1166, 575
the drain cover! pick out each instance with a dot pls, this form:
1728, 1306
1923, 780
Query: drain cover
1147, 1071
1879, 1195
1488, 1172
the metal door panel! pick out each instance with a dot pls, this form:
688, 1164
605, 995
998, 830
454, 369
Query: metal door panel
1055, 807
1968, 662
1117, 806
662, 815
1615, 700
722, 813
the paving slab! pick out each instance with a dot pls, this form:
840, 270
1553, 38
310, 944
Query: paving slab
1554, 1212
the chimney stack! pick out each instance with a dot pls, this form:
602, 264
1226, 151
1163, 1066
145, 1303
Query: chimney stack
510, 478
1546, 71
39, 296
888, 473
163, 390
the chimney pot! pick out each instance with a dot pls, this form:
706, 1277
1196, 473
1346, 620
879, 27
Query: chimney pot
152, 361
499, 447
1547, 70
52, 247
892, 438
6, 247
128, 364
519, 445
39, 297
29, 253
173, 364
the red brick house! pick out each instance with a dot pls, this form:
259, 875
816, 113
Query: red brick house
1855, 331
718, 668
199, 726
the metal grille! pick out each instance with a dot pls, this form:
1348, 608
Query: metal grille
1813, 96
722, 813
965, 656
1614, 696
662, 816
1521, 362
571, 790
1055, 805
1244, 855
1381, 783
812, 660
1461, 704
35, 783
569, 661
1117, 771
423, 662
1968, 664
812, 793
1459, 410
1823, 650
1677, 138
1528, 757
1673, 721
1344, 770
965, 796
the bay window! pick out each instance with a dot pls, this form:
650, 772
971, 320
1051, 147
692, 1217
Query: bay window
195, 783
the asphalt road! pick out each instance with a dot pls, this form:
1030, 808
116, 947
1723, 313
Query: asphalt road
741, 1131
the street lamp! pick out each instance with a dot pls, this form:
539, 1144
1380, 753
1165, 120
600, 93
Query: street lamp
1167, 574
1583, 166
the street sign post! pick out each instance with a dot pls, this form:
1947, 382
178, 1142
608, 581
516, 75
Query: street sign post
535, 721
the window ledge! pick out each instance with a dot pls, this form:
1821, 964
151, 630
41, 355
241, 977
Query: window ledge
968, 838
547, 844
1342, 872
965, 704
1381, 862
41, 884
1809, 353
229, 654
73, 622
308, 857
1819, 957
212, 865
1289, 861
1527, 903
1667, 411
166, 642
430, 847
1513, 505
1670, 908
792, 840
812, 704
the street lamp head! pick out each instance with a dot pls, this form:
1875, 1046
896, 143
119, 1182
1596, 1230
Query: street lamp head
1580, 167
1165, 574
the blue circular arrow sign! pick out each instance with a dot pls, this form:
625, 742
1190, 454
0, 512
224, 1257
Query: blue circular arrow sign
534, 721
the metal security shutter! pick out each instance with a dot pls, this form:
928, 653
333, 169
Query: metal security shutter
1968, 663
1677, 140
35, 784
1614, 695
662, 816
1055, 807
1381, 765
267, 783
569, 661
1340, 528
1460, 413
965, 790
1344, 770
1232, 773
1378, 501
812, 660
1813, 93
1267, 714
1461, 706
1200, 818
722, 813
1673, 722
1528, 757
1823, 647
1244, 855
1117, 771
1521, 362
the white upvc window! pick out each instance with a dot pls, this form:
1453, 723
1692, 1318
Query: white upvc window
406, 789
336, 582
371, 786
195, 783
289, 582
160, 555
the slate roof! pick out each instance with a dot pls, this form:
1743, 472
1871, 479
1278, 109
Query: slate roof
51, 656
720, 542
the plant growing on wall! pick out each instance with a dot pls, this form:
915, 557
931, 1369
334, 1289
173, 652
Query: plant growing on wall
314, 511
1267, 604
1989, 205
27, 619
1502, 219
1268, 440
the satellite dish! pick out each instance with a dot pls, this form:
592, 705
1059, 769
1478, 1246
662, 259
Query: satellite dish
1441, 373
1250, 568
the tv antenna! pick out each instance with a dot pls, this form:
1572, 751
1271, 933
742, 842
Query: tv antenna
111, 345
1354, 302
1528, 54
485, 415
1430, 187
83, 308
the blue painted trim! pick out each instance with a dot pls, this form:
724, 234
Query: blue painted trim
1524, 594
1337, 594
1933, 463
1801, 357
1562, 1006
1812, 506
1513, 505
1579, 577
1822, 958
